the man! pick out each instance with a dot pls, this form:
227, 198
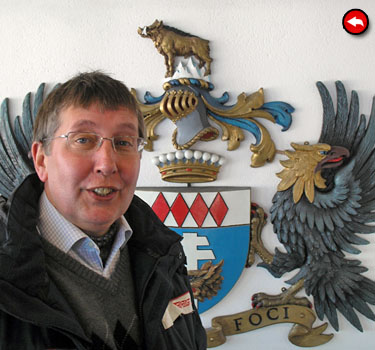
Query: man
85, 264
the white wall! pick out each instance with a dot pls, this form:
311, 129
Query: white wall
282, 46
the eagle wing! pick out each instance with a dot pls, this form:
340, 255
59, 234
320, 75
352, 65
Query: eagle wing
346, 210
15, 142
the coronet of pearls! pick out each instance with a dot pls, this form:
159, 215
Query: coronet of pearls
188, 155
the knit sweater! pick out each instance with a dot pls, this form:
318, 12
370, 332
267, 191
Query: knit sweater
105, 308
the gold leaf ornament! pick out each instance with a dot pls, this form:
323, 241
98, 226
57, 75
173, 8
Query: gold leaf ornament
152, 117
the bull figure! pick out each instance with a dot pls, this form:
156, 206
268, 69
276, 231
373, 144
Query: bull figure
171, 42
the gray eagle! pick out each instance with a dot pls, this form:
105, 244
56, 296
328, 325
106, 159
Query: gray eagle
325, 198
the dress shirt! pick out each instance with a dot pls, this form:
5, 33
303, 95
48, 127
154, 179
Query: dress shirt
67, 237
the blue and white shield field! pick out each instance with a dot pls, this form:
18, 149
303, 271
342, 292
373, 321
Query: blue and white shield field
215, 224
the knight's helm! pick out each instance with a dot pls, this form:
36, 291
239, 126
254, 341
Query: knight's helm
184, 108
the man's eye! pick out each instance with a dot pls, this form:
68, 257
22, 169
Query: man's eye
124, 143
84, 139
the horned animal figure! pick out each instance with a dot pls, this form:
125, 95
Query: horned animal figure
171, 42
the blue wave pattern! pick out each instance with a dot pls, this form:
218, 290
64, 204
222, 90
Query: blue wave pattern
281, 112
242, 123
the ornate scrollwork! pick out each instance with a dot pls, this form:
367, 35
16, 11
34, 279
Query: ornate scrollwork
188, 103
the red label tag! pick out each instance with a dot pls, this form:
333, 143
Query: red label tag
181, 305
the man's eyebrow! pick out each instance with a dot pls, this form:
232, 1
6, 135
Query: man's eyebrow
128, 126
88, 123
83, 122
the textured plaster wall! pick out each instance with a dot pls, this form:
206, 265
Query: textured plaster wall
282, 46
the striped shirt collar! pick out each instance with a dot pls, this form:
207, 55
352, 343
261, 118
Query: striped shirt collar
73, 241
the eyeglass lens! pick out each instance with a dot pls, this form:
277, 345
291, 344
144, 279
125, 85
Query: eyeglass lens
84, 142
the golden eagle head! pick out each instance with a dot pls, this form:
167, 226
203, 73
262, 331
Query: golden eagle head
303, 168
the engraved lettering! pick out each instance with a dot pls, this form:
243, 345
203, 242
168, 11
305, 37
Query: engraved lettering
286, 316
276, 317
238, 323
255, 319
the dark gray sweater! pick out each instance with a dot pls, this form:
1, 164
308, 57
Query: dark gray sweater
99, 303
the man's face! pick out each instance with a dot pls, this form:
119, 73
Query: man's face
70, 178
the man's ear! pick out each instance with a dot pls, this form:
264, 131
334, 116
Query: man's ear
40, 161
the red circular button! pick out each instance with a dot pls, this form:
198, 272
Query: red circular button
355, 21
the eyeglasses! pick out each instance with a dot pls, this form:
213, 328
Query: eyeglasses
85, 142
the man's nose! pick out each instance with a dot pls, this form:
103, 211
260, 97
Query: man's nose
105, 158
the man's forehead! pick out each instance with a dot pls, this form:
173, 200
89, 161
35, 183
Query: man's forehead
95, 115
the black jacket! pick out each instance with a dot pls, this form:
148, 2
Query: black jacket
33, 313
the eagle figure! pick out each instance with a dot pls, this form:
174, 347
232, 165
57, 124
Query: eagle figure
325, 198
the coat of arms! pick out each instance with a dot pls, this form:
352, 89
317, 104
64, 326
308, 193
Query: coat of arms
221, 229
325, 197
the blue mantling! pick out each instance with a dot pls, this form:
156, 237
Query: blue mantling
241, 123
151, 99
281, 111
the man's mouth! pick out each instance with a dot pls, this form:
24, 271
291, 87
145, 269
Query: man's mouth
103, 191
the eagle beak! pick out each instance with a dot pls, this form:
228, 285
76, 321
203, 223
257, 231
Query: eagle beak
334, 158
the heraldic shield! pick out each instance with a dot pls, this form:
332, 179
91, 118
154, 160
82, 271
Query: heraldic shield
215, 225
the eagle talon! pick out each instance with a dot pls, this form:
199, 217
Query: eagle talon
286, 297
266, 300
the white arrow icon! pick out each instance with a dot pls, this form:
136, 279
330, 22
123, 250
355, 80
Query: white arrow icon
354, 21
